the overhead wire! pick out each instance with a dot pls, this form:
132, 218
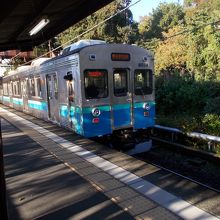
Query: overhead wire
85, 32
16, 55
193, 29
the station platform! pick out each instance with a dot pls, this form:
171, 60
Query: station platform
52, 173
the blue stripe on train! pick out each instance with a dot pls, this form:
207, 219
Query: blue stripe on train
95, 129
76, 119
17, 101
74, 114
42, 106
141, 121
64, 111
122, 115
6, 99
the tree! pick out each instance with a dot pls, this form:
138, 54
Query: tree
204, 40
118, 29
46, 47
172, 52
164, 17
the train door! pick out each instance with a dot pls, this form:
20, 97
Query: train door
122, 99
10, 92
52, 97
24, 89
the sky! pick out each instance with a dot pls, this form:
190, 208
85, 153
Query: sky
144, 7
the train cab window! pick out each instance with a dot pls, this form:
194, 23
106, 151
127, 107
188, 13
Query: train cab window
96, 84
143, 82
120, 82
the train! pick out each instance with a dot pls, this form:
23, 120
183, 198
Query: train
93, 87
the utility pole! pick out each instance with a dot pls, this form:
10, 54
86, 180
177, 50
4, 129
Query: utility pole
49, 46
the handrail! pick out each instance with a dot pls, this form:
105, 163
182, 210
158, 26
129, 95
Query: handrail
198, 135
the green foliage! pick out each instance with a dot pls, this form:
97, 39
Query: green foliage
119, 29
196, 104
171, 52
213, 105
47, 46
203, 43
211, 123
182, 94
164, 17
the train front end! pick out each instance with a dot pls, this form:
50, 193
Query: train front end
117, 89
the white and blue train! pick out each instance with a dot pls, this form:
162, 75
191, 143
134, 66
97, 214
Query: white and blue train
93, 87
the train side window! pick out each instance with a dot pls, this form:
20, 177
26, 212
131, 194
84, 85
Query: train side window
5, 88
23, 87
143, 82
32, 86
16, 88
26, 87
55, 86
38, 87
120, 82
96, 84
71, 92
10, 89
19, 87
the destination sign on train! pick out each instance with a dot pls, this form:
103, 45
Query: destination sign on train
95, 73
120, 56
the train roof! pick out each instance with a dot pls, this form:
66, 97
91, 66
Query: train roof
81, 44
38, 61
20, 68
76, 47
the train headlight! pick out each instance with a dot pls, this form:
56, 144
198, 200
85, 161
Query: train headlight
96, 112
146, 106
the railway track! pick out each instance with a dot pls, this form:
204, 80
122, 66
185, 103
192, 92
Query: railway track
170, 153
198, 166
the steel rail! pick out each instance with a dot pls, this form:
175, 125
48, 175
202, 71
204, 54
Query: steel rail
185, 177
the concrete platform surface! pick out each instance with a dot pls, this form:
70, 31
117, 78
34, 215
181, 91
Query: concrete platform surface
39, 186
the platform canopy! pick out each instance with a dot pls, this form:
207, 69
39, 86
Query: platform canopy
18, 17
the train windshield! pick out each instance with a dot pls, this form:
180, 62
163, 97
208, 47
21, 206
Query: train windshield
143, 82
96, 84
120, 83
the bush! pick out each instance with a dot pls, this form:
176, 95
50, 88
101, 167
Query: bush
192, 105
182, 94
213, 105
211, 123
